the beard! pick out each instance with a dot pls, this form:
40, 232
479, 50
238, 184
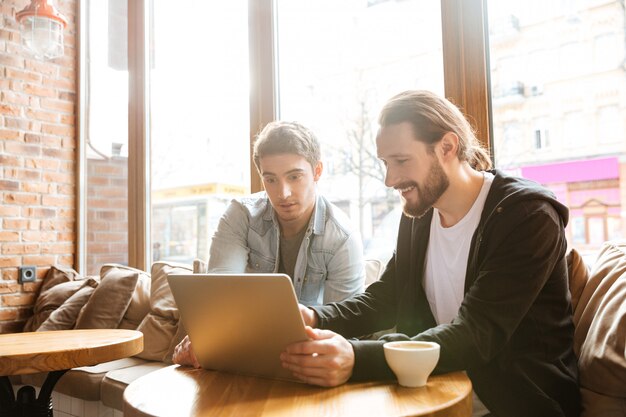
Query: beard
433, 188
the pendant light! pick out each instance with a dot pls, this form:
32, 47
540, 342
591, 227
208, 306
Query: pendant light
41, 29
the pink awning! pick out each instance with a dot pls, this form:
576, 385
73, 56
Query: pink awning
574, 171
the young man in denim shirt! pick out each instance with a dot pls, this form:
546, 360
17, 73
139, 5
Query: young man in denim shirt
289, 227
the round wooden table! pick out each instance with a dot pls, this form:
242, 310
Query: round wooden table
183, 391
55, 352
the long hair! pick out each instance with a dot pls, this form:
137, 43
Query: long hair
432, 117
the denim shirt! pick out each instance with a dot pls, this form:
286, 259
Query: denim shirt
329, 266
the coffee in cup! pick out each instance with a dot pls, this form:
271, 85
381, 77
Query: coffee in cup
412, 361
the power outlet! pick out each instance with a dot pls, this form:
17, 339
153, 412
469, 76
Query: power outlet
27, 274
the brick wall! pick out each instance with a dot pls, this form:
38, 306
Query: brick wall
37, 162
107, 214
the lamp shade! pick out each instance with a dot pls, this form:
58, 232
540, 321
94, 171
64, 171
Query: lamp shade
41, 29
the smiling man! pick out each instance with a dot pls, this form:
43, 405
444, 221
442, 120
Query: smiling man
479, 268
288, 228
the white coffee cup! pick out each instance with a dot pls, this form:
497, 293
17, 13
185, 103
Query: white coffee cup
412, 361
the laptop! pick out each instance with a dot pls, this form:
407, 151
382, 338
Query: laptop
239, 323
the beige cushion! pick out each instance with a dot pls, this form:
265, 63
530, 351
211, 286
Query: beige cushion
115, 382
160, 325
600, 335
200, 266
139, 304
83, 382
64, 317
578, 275
49, 300
598, 405
373, 269
57, 275
107, 305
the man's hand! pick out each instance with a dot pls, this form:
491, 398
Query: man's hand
308, 315
327, 359
183, 354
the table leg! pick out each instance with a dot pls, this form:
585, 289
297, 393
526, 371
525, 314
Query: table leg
26, 404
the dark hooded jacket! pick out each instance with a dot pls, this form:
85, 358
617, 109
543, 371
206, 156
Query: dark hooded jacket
513, 332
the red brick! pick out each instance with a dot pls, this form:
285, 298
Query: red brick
20, 124
57, 129
58, 153
66, 189
43, 116
68, 119
6, 185
8, 314
9, 236
22, 174
67, 260
6, 160
60, 84
49, 164
19, 248
57, 248
38, 187
34, 286
18, 299
13, 98
42, 67
7, 287
9, 211
58, 177
9, 261
30, 138
22, 149
10, 110
37, 236
39, 260
10, 274
51, 142
9, 134
14, 224
23, 75
57, 201
66, 237
37, 90
57, 225
38, 212
21, 198
11, 61
58, 105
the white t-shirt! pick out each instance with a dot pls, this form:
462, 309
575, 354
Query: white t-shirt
446, 264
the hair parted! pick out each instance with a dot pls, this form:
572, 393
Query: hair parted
280, 137
432, 117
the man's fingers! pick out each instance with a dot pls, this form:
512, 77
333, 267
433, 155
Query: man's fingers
319, 334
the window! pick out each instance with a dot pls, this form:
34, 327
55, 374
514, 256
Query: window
338, 63
541, 137
583, 144
106, 136
199, 122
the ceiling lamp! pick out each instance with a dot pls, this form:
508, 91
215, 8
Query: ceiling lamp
41, 29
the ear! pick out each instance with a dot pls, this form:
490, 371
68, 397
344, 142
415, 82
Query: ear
449, 145
317, 171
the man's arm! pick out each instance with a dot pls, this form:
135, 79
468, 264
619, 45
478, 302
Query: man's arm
229, 247
345, 271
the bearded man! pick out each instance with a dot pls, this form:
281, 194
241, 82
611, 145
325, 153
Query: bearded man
479, 268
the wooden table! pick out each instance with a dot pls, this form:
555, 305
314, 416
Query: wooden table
55, 352
183, 391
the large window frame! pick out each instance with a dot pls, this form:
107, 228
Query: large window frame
465, 63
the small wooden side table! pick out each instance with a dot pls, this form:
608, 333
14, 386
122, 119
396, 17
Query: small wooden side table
55, 352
